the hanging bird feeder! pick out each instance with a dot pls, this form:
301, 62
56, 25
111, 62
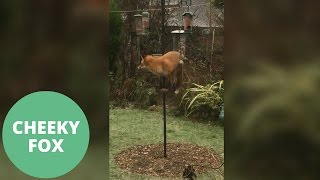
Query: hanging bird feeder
187, 21
145, 23
179, 40
138, 24
221, 115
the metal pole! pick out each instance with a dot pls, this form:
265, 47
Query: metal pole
164, 121
163, 82
163, 24
138, 48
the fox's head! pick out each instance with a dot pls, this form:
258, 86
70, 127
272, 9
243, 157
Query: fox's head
144, 63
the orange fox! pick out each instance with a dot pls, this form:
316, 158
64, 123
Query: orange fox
169, 65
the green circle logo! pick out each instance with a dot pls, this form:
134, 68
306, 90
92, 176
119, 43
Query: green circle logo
45, 134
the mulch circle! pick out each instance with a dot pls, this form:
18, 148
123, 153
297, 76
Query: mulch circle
149, 160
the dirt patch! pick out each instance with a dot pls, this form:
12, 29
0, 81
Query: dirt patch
148, 159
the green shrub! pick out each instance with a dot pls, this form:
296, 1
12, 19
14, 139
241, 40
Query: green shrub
203, 101
145, 95
134, 91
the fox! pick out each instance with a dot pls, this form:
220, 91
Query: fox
168, 65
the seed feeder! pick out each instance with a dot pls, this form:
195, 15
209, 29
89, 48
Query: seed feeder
145, 23
179, 40
138, 24
187, 21
221, 115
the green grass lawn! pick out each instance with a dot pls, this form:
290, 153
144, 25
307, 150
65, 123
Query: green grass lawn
130, 127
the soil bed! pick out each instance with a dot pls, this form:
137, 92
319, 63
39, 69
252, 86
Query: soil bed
148, 159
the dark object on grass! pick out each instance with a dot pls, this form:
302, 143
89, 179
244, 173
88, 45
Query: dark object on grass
188, 173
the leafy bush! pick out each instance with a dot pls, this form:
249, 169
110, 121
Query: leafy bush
204, 101
134, 91
144, 94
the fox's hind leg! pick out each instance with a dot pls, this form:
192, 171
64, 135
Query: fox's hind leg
179, 78
174, 78
170, 79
